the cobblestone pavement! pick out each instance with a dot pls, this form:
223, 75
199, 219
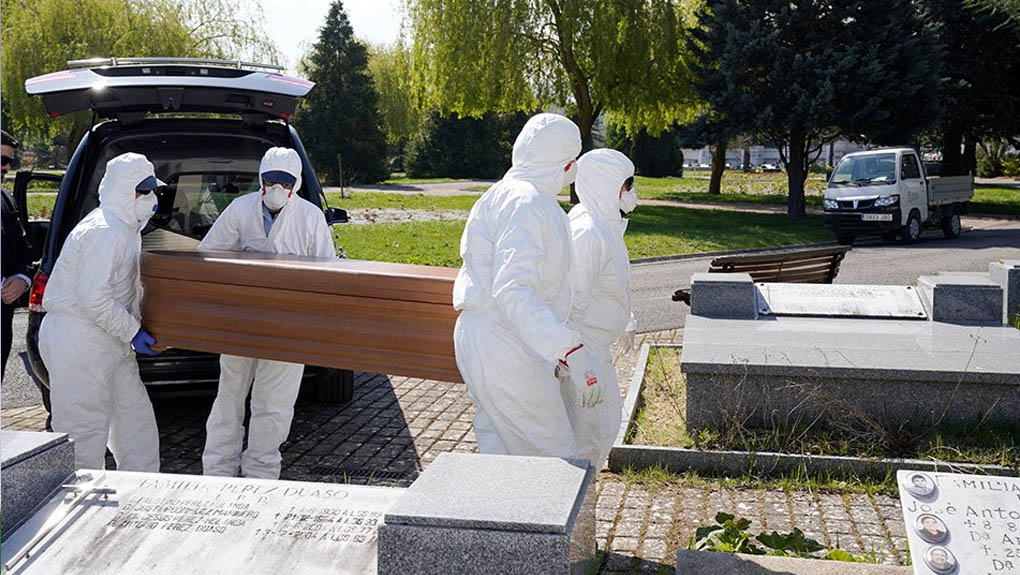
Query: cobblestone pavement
395, 426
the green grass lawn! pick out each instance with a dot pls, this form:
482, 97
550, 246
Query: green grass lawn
382, 200
653, 231
995, 200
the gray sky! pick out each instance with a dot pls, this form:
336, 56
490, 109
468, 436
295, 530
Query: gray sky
295, 24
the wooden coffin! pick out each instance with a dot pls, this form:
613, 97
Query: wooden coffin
368, 316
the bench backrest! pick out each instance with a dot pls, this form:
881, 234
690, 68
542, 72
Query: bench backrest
802, 266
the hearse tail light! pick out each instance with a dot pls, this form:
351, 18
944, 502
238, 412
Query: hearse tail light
35, 297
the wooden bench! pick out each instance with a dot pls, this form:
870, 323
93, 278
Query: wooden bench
812, 266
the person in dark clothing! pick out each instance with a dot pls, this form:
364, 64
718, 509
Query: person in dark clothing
16, 257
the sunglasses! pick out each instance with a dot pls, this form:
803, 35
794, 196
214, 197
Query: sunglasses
143, 192
629, 183
271, 183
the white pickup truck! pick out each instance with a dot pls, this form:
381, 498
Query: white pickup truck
886, 192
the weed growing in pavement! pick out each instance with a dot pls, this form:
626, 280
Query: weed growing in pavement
730, 535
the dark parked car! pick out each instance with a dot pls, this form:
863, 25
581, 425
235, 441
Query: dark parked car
205, 125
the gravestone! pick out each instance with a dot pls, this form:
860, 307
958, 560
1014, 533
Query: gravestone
1007, 275
840, 300
470, 513
180, 524
961, 524
962, 298
34, 464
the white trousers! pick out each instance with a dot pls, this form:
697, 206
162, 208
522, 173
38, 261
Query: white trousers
97, 396
274, 387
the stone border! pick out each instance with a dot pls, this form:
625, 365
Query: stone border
738, 463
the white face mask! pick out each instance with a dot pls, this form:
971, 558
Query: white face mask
628, 201
276, 197
570, 175
145, 207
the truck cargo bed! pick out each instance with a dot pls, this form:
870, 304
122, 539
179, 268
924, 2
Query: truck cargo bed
950, 190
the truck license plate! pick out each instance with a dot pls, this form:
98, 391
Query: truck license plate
876, 217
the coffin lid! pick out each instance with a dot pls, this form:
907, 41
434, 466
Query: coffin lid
360, 278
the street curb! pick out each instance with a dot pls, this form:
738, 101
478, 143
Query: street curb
677, 257
623, 456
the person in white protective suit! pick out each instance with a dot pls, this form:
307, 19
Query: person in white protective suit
93, 302
513, 292
601, 286
273, 220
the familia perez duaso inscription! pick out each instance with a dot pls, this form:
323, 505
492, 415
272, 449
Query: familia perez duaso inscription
174, 524
965, 524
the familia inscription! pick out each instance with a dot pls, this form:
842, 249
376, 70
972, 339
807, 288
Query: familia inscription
177, 524
961, 524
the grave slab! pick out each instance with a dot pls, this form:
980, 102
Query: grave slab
961, 524
471, 513
181, 524
840, 300
962, 298
715, 563
891, 370
33, 465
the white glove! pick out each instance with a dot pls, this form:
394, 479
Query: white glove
626, 341
582, 370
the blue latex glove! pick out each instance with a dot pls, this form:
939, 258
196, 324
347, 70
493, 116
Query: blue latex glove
142, 341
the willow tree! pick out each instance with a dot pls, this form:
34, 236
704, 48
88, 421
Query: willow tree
40, 36
625, 58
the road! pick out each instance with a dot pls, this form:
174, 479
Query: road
652, 285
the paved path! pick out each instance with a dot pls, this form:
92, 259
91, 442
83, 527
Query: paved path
396, 426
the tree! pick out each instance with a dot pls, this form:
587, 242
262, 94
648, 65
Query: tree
454, 147
340, 116
653, 156
623, 57
40, 36
390, 69
980, 79
796, 74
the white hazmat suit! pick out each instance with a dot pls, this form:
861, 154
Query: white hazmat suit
299, 229
92, 301
513, 292
601, 286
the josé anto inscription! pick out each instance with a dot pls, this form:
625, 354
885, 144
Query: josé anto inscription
964, 524
163, 524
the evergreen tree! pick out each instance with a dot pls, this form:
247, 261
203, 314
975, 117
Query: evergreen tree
340, 116
980, 79
797, 73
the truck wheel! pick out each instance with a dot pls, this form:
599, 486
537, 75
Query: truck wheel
845, 239
951, 226
912, 231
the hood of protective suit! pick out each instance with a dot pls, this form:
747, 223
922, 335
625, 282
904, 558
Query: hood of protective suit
117, 188
600, 176
284, 160
545, 145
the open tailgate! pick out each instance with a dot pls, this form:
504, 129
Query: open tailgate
168, 88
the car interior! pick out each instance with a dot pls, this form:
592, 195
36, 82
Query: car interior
203, 172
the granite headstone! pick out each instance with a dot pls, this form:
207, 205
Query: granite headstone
474, 514
33, 465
